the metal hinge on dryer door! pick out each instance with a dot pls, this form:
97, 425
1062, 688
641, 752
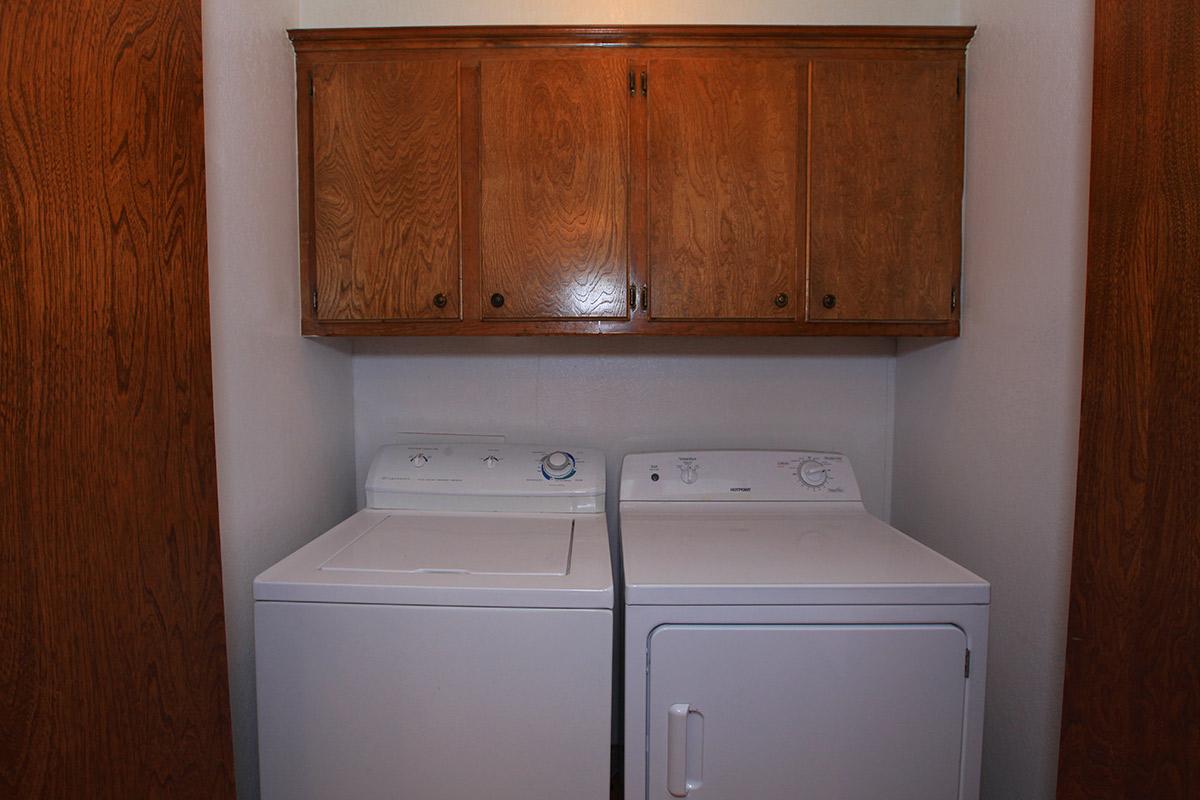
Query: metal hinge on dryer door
967, 665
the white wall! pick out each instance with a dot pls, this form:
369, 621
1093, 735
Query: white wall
635, 395
986, 425
350, 13
284, 416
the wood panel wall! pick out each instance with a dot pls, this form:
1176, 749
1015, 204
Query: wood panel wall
112, 645
1131, 709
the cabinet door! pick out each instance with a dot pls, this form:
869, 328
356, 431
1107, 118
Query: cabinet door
724, 140
886, 192
779, 712
554, 235
386, 189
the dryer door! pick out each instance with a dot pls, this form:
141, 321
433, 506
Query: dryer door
819, 712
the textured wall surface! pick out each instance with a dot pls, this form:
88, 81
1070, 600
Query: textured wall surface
284, 416
987, 425
350, 13
635, 395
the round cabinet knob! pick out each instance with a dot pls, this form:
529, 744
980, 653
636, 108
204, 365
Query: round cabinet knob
558, 466
781, 300
440, 300
688, 473
419, 460
829, 301
813, 473
497, 300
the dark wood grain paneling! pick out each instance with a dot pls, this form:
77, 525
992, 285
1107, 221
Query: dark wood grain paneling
886, 190
112, 668
555, 166
1131, 706
724, 139
386, 182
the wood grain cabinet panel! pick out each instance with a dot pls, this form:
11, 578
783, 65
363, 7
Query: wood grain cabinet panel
555, 171
724, 138
386, 189
886, 190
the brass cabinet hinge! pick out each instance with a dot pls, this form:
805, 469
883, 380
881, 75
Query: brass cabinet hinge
645, 84
314, 300
632, 298
632, 83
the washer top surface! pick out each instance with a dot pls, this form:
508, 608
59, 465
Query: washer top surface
474, 545
516, 526
797, 545
494, 559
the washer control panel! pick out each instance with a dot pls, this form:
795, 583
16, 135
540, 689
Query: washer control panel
403, 471
739, 475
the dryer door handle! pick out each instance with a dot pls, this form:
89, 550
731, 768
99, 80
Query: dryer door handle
684, 752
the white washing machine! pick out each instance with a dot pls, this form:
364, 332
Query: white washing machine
451, 641
782, 643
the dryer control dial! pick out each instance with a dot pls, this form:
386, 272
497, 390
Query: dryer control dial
558, 466
813, 473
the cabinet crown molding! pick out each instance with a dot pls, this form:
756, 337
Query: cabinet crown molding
903, 37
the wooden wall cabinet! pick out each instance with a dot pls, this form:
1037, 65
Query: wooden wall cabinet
737, 180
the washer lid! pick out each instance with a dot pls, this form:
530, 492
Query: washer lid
464, 545
495, 559
774, 554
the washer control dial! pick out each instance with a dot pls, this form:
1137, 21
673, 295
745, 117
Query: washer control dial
813, 473
558, 466
688, 472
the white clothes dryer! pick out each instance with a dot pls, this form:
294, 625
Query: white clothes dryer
452, 640
782, 643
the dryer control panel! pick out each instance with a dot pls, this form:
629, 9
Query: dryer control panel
739, 475
498, 477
